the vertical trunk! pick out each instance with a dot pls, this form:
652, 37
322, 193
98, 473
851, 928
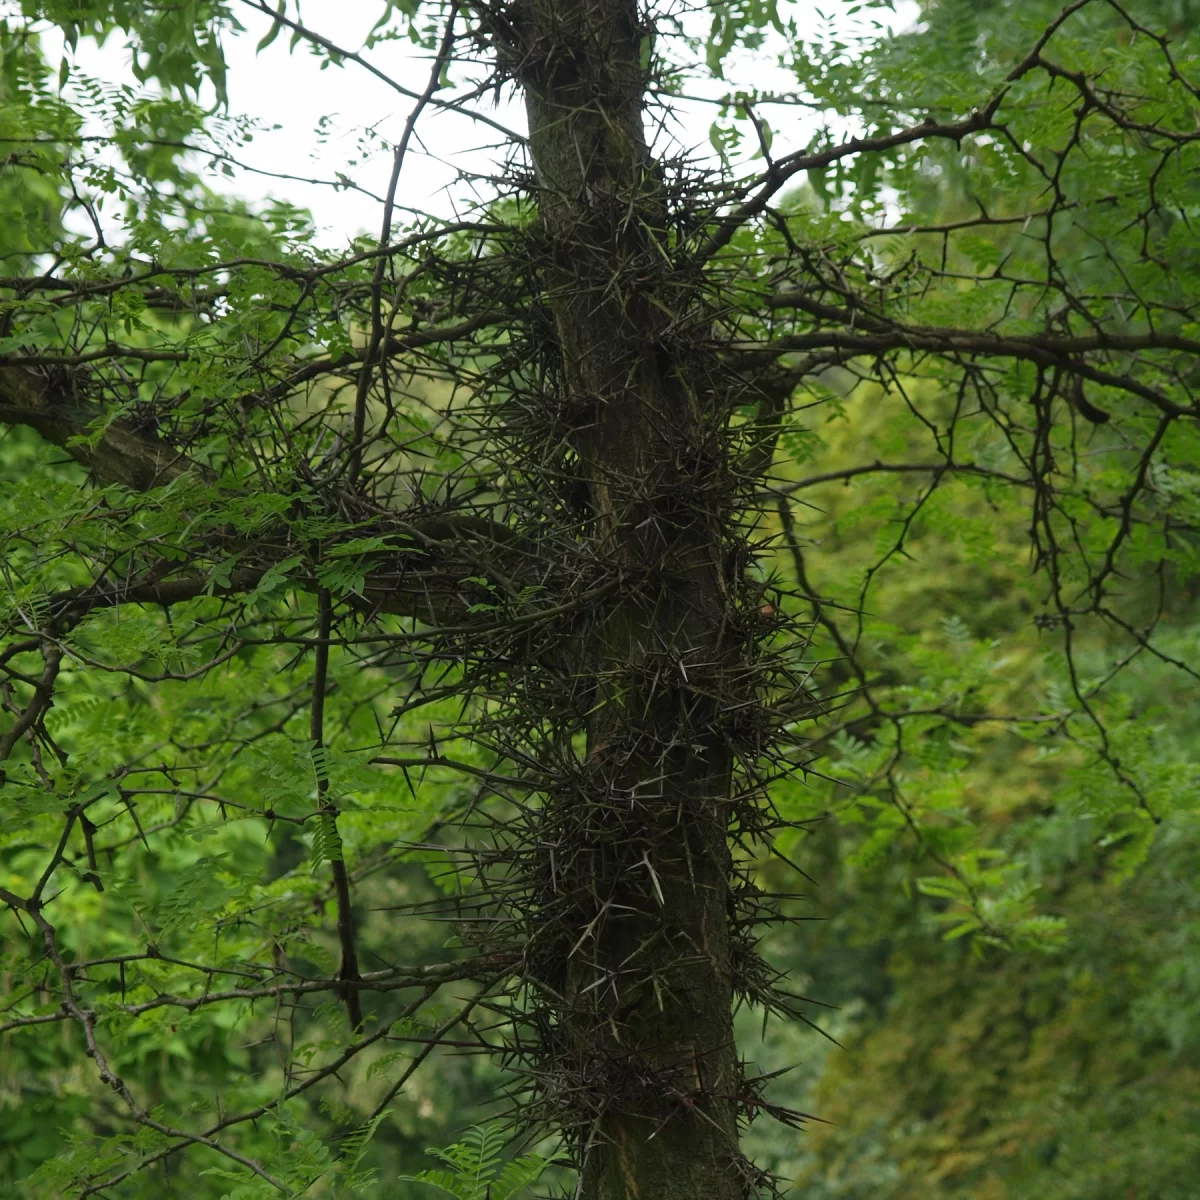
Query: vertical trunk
649, 983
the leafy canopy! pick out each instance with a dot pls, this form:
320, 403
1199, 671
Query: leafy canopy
281, 542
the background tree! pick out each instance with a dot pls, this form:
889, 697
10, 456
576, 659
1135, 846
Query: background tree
465, 574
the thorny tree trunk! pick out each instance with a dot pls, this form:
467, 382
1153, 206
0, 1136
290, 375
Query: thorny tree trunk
650, 981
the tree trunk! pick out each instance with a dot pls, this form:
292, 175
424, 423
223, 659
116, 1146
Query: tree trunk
647, 1024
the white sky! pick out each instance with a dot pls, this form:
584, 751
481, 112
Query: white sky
278, 86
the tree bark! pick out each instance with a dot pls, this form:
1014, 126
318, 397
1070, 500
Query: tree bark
649, 981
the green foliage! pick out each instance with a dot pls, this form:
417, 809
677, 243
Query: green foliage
1002, 824
476, 1169
987, 1077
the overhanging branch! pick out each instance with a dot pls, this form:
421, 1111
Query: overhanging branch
47, 400
1048, 350
421, 577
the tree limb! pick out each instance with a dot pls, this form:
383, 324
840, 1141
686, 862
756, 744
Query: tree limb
48, 401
